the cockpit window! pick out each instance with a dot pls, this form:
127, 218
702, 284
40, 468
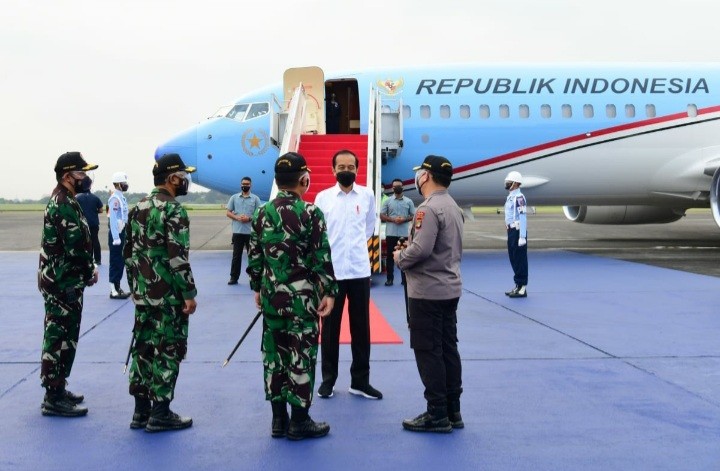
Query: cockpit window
221, 112
257, 109
238, 112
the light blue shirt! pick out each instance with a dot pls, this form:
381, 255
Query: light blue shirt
240, 204
394, 207
118, 213
516, 211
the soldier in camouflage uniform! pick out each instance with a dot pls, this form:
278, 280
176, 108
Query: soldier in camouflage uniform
66, 268
292, 275
163, 289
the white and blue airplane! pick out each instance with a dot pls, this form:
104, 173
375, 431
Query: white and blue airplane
613, 144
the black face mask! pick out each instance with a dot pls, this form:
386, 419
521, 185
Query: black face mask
398, 190
86, 183
182, 188
508, 185
245, 189
124, 187
345, 178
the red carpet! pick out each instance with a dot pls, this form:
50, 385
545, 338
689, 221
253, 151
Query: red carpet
380, 330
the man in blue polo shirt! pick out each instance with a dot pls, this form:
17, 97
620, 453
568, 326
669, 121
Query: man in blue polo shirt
240, 209
396, 212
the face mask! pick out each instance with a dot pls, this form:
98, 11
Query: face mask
508, 185
419, 174
184, 186
78, 184
245, 188
345, 178
397, 190
124, 187
86, 184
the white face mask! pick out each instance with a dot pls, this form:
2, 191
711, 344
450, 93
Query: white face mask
419, 174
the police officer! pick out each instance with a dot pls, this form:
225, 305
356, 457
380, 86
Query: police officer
163, 289
240, 209
431, 262
292, 275
66, 268
516, 225
396, 212
117, 218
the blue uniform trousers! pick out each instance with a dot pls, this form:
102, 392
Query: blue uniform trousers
117, 262
518, 257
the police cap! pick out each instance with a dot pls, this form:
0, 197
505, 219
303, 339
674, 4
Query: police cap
170, 163
291, 162
72, 161
436, 164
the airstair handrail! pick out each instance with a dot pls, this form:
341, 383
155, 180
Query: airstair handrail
293, 128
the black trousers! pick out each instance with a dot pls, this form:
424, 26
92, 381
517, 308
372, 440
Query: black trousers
117, 262
390, 243
518, 257
97, 254
357, 291
433, 338
239, 241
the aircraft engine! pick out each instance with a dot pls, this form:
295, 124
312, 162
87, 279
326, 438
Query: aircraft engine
714, 190
624, 214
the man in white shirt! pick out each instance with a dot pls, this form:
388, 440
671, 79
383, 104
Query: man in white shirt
350, 214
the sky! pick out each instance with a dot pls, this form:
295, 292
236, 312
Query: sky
114, 79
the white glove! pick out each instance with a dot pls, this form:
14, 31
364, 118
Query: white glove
522, 241
116, 241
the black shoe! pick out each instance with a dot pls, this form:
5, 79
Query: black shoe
388, 283
514, 290
456, 420
119, 294
74, 398
366, 391
232, 282
163, 419
326, 391
427, 423
520, 293
307, 429
280, 420
141, 415
58, 405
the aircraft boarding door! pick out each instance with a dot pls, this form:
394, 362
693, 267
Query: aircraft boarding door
391, 137
278, 120
313, 79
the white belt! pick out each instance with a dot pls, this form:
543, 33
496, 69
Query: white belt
514, 225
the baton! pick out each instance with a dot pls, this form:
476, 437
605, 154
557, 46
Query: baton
247, 331
132, 342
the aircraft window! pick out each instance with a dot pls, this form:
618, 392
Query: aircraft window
464, 111
588, 111
222, 111
238, 112
692, 111
424, 111
610, 111
545, 111
257, 109
484, 111
406, 112
504, 111
567, 111
629, 111
650, 111
524, 111
444, 111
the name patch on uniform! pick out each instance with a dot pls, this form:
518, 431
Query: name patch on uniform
419, 216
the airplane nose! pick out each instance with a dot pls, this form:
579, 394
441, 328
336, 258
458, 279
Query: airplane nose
184, 144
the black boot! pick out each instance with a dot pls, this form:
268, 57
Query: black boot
163, 419
435, 419
74, 398
140, 418
280, 420
454, 414
302, 426
56, 403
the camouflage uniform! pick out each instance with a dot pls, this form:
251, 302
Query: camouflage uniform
66, 267
289, 264
160, 278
